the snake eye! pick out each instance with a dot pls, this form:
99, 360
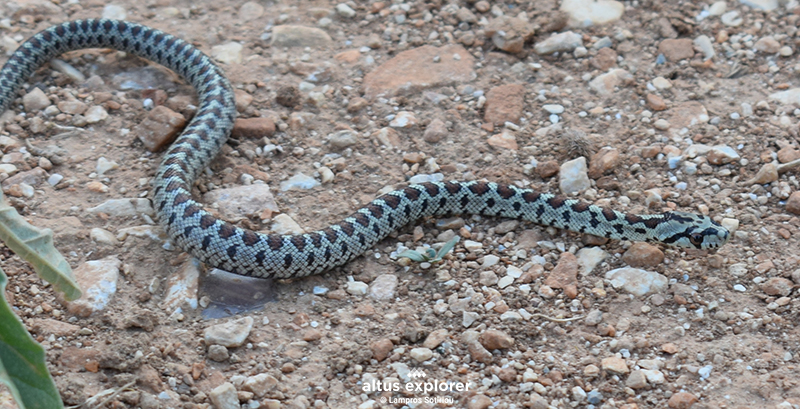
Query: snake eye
696, 239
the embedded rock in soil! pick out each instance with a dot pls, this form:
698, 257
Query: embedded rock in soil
299, 36
584, 13
415, 70
637, 282
161, 126
98, 282
231, 334
504, 103
243, 201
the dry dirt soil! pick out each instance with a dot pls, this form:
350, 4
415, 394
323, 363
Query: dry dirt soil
716, 337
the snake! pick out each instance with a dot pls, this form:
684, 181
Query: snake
226, 246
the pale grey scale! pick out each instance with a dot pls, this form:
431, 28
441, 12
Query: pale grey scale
223, 245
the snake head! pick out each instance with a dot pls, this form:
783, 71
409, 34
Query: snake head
689, 230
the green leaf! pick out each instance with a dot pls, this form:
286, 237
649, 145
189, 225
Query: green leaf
35, 246
413, 255
447, 247
22, 361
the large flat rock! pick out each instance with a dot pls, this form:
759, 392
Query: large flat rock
414, 70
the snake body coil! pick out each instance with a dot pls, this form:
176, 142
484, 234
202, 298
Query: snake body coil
223, 245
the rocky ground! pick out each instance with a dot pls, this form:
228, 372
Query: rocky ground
641, 106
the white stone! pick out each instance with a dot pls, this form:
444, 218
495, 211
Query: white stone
357, 288
510, 316
662, 83
231, 334
251, 11
104, 165
705, 45
383, 287
124, 207
514, 272
26, 189
468, 318
766, 5
342, 139
8, 169
260, 384
103, 236
731, 19
738, 269
661, 124
299, 36
505, 282
580, 52
114, 12
573, 177
228, 53
98, 282
788, 97
95, 114
299, 182
224, 397
654, 376
403, 119
345, 11
553, 108
490, 260
326, 174
718, 8
10, 45
421, 354
730, 223
155, 233
181, 287
584, 13
726, 153
637, 281
578, 394
284, 224
35, 100
589, 258
367, 404
242, 201
566, 41
605, 84
472, 246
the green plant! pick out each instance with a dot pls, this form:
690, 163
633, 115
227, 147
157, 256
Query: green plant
22, 359
430, 255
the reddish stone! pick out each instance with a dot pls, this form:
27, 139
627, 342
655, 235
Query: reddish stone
793, 204
414, 70
655, 102
681, 400
677, 49
565, 273
381, 349
605, 59
494, 339
504, 104
643, 255
160, 128
254, 128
